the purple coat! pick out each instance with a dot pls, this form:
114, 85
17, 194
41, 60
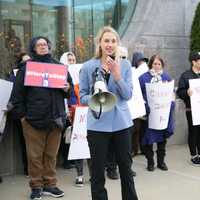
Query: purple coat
151, 135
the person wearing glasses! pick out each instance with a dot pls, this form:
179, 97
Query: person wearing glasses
42, 114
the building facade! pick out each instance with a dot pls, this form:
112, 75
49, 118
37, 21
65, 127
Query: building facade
150, 26
69, 24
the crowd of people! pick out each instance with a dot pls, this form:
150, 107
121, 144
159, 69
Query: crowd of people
43, 116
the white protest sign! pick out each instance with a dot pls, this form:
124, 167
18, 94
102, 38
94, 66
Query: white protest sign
142, 69
136, 103
159, 97
195, 100
79, 146
5, 91
74, 70
3, 124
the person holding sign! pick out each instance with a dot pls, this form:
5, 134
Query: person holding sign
42, 114
69, 59
114, 124
155, 75
185, 92
139, 64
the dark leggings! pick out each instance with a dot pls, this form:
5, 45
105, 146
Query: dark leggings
193, 135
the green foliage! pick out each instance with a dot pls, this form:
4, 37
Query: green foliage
195, 31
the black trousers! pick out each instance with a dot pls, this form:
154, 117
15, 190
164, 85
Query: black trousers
161, 152
193, 135
18, 126
98, 144
79, 167
138, 130
111, 159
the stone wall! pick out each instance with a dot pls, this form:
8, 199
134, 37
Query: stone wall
163, 27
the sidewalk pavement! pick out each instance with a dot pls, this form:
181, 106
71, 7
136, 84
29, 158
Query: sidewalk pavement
181, 182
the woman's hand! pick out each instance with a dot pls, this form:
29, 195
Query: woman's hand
189, 92
113, 67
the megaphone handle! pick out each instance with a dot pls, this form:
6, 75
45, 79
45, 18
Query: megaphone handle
95, 114
100, 111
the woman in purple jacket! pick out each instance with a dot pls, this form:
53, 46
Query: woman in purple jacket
151, 136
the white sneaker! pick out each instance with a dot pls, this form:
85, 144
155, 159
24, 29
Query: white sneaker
79, 181
195, 160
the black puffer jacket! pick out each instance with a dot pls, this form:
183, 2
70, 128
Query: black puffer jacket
42, 107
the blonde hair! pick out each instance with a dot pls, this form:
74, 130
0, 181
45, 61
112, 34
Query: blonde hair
105, 29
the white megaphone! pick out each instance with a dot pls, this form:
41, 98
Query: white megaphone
102, 100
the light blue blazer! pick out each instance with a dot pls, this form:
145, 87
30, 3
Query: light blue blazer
119, 117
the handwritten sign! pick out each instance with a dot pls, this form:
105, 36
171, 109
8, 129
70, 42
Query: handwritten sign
45, 75
136, 103
195, 100
159, 97
79, 146
5, 91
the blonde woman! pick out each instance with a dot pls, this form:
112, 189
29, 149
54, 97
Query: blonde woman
112, 125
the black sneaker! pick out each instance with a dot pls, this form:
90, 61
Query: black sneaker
79, 181
162, 166
112, 174
36, 194
1, 180
195, 160
53, 191
150, 167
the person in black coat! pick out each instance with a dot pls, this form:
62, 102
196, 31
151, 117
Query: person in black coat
184, 92
43, 117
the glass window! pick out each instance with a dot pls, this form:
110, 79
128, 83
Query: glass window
15, 26
69, 24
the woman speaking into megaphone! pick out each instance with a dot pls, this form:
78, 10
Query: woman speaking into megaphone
113, 124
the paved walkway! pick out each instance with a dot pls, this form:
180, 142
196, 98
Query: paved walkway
181, 182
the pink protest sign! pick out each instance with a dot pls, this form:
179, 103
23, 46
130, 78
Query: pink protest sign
45, 75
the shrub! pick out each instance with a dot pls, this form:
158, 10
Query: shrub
195, 31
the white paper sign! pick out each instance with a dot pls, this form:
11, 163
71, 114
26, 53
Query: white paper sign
79, 146
74, 72
3, 124
159, 97
5, 91
136, 103
195, 100
142, 69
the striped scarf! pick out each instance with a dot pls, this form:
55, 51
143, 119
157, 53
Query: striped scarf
156, 76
